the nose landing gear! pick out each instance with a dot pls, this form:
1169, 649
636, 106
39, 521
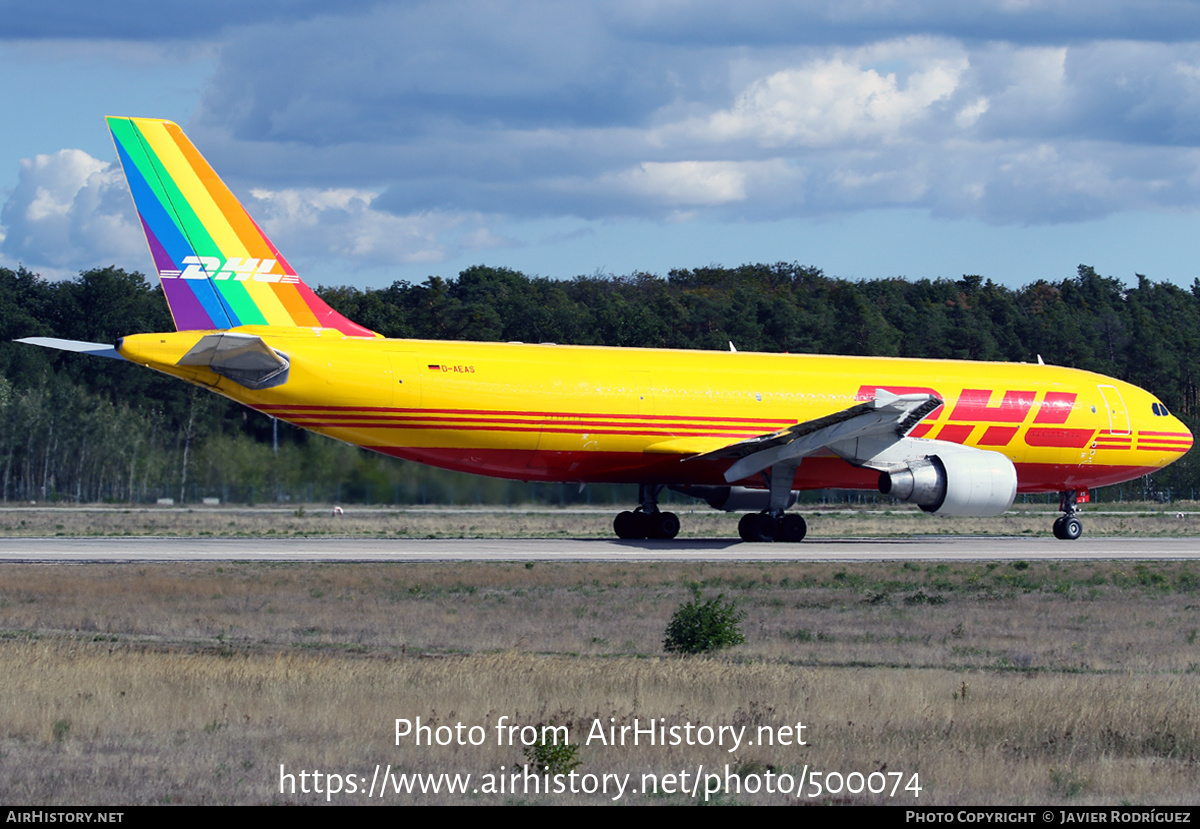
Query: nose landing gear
1068, 527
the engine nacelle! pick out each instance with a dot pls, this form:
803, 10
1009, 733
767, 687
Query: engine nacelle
969, 482
732, 498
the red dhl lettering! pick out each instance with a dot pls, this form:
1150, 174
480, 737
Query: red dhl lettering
1056, 407
973, 406
955, 433
998, 435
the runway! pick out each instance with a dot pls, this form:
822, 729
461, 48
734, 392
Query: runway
60, 550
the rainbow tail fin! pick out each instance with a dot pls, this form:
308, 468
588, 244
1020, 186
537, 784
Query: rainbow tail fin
218, 269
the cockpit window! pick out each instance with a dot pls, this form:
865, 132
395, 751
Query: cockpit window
1159, 409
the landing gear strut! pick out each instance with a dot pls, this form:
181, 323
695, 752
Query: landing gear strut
1068, 527
647, 521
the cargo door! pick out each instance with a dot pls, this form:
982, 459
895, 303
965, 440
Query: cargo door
1118, 415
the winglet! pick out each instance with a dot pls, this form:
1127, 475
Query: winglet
218, 269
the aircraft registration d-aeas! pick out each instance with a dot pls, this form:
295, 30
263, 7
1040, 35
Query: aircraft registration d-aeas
743, 431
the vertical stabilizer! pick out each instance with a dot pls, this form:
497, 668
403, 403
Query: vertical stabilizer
218, 269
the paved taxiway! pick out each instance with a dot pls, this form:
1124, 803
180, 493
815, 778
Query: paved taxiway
930, 548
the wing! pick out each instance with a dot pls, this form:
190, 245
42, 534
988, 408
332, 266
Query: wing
856, 434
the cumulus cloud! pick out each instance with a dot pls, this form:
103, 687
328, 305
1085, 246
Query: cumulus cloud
832, 101
686, 183
68, 212
342, 222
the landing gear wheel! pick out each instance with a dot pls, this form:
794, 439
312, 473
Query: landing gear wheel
792, 528
748, 527
663, 525
1068, 528
757, 526
647, 521
768, 527
630, 525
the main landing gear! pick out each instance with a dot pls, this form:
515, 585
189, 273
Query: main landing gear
765, 526
647, 521
1068, 527
773, 523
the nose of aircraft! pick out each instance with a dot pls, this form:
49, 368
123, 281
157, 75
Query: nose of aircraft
1169, 438
1184, 431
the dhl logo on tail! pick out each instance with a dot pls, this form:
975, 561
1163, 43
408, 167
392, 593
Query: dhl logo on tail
218, 268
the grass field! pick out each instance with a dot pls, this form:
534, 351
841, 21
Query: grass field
1014, 683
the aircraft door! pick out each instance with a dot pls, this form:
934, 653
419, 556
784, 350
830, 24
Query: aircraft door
1118, 415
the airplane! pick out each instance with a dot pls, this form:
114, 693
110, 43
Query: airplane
745, 432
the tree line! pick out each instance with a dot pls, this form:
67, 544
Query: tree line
85, 429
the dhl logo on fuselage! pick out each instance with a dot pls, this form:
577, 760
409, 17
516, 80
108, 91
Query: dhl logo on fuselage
237, 268
1002, 420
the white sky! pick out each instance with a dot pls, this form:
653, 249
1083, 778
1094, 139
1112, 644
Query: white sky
1014, 139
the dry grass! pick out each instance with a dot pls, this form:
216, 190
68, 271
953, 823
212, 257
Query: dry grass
115, 725
697, 521
1000, 684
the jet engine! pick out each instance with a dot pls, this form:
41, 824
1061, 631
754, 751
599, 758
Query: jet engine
969, 482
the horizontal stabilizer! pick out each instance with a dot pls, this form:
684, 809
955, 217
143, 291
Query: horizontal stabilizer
78, 346
243, 358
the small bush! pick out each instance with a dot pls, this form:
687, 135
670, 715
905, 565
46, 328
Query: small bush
550, 756
703, 627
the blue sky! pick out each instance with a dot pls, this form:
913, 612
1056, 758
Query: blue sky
1014, 139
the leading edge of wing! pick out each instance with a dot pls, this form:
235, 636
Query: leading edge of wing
887, 416
78, 346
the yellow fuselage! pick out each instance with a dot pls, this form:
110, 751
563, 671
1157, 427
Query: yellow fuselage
587, 413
